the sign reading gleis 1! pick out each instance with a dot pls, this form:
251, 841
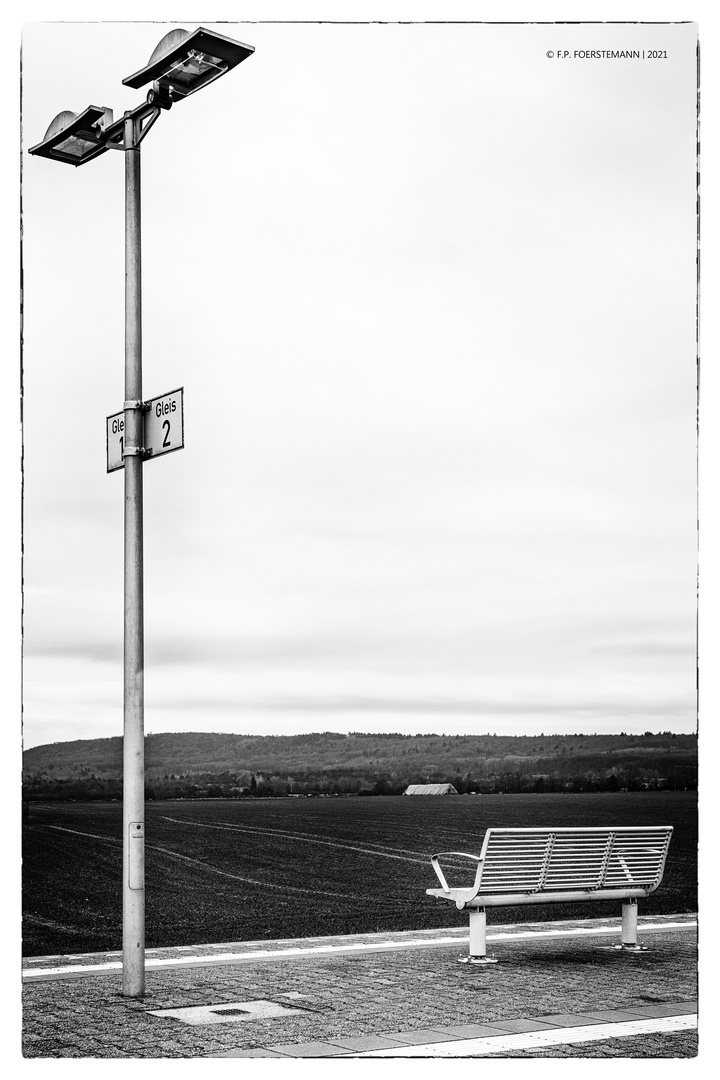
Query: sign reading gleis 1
163, 429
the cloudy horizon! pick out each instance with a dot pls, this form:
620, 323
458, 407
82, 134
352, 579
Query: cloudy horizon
431, 295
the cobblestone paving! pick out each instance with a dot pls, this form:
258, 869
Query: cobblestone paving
363, 994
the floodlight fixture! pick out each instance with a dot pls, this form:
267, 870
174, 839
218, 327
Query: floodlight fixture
184, 62
76, 137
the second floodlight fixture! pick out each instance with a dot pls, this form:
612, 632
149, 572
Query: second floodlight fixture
184, 62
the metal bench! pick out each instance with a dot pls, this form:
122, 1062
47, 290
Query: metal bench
544, 866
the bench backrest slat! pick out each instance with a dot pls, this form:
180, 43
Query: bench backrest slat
538, 860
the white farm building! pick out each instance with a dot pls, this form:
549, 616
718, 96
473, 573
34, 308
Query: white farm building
430, 789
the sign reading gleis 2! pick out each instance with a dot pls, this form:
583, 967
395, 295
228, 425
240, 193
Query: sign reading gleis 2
163, 429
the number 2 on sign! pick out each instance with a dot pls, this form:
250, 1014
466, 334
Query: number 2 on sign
166, 429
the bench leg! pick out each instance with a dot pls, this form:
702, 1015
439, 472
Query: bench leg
629, 941
629, 927
478, 953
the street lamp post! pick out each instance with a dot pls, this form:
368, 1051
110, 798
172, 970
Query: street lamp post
133, 650
181, 64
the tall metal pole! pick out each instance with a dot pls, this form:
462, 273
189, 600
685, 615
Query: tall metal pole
73, 143
133, 689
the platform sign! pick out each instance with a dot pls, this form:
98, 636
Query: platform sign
164, 429
115, 428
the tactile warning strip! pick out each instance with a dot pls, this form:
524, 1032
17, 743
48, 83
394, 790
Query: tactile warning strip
337, 947
537, 1040
494, 1037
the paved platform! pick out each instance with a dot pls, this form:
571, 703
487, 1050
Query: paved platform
557, 990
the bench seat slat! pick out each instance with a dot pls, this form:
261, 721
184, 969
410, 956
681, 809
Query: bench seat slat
505, 899
512, 830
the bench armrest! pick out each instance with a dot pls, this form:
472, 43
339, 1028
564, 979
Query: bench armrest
462, 855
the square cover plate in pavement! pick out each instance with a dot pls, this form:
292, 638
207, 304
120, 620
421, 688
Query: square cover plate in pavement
227, 1013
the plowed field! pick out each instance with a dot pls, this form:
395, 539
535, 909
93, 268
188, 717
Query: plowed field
278, 868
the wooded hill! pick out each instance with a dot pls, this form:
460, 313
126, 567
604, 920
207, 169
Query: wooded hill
191, 764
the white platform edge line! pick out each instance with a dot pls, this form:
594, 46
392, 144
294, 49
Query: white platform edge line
537, 1040
330, 950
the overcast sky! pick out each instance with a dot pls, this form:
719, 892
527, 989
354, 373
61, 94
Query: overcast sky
431, 295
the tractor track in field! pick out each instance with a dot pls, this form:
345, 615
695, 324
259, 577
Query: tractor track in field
387, 853
216, 870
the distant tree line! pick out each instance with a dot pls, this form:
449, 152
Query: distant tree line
196, 752
512, 776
